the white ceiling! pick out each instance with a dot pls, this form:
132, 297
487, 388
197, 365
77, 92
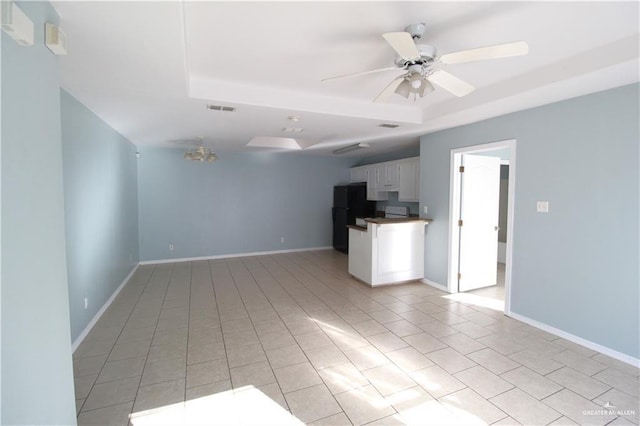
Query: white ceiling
150, 68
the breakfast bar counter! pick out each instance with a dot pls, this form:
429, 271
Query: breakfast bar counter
387, 251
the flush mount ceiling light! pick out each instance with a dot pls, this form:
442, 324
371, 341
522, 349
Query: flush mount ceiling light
201, 154
293, 118
350, 148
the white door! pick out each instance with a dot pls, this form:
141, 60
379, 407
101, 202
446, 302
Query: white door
479, 208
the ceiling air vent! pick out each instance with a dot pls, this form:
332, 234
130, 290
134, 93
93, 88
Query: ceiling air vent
221, 108
292, 129
388, 126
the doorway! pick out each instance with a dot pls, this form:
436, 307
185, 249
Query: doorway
478, 264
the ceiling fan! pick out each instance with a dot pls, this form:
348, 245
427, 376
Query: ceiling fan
418, 62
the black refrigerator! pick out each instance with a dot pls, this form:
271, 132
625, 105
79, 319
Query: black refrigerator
349, 202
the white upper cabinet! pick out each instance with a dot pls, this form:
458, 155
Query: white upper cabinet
409, 180
359, 174
389, 176
375, 194
374, 189
376, 171
402, 176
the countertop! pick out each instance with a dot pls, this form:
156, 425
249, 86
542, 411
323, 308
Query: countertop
384, 221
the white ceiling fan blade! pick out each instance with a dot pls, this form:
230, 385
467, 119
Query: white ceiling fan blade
403, 44
450, 83
516, 48
360, 73
389, 89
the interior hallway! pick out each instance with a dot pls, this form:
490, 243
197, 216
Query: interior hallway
292, 338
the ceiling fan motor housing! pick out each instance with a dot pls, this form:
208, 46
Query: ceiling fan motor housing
427, 56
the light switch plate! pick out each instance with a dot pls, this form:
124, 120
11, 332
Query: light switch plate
542, 207
425, 209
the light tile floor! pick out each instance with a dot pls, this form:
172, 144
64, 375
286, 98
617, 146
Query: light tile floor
291, 338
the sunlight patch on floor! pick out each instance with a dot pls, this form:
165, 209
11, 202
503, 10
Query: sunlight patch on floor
243, 406
474, 299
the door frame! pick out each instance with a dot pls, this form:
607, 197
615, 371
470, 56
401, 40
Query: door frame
454, 212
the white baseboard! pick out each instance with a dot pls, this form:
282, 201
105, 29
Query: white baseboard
579, 340
435, 284
227, 256
102, 310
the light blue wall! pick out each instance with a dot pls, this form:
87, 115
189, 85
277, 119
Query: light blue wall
575, 268
101, 209
242, 203
37, 375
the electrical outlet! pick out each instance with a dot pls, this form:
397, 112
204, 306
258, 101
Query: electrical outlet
171, 247
282, 239
542, 207
86, 302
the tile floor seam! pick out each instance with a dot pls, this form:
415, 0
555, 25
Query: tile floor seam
224, 343
607, 391
186, 368
562, 388
485, 399
164, 297
517, 387
277, 382
586, 375
375, 420
114, 343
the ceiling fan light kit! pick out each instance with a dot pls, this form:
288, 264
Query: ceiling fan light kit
404, 88
418, 61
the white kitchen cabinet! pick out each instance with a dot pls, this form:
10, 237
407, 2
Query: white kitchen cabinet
358, 174
374, 191
387, 253
387, 176
374, 195
409, 186
402, 176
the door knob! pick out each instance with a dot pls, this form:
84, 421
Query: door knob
496, 228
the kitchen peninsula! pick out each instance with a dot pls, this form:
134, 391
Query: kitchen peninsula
387, 250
